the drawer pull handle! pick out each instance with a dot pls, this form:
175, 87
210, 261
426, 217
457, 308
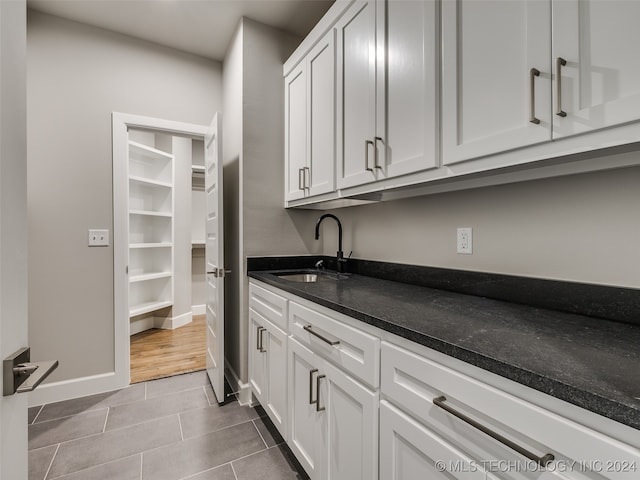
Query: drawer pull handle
311, 400
261, 338
309, 328
318, 407
542, 461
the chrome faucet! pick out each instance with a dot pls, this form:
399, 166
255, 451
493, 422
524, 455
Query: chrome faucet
339, 255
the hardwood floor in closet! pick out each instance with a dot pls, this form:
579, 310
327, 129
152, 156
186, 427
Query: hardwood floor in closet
159, 353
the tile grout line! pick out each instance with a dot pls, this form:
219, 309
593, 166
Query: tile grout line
104, 427
193, 475
51, 463
68, 416
233, 470
204, 387
261, 437
37, 414
180, 425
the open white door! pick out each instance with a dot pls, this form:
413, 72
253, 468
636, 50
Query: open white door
215, 258
13, 228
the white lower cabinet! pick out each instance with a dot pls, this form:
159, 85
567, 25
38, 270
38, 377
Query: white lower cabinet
333, 419
268, 361
463, 426
409, 450
432, 417
268, 354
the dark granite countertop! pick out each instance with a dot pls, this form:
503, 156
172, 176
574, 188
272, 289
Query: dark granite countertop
589, 362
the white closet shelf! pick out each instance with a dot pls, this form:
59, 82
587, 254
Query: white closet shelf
151, 245
197, 168
149, 181
149, 276
150, 213
148, 151
148, 307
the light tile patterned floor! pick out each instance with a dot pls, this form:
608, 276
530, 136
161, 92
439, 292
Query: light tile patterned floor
168, 429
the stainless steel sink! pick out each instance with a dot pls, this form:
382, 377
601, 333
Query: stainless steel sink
308, 277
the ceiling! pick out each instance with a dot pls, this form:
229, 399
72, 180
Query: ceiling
201, 27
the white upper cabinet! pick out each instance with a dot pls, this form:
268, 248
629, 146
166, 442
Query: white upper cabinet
310, 122
492, 98
599, 68
295, 107
387, 90
356, 94
321, 88
407, 94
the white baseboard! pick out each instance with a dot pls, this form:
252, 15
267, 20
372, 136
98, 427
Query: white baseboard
140, 325
77, 387
166, 323
199, 309
243, 390
170, 323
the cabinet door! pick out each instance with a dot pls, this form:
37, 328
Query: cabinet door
257, 355
600, 82
349, 427
407, 112
275, 404
356, 32
304, 421
321, 79
295, 132
409, 450
489, 49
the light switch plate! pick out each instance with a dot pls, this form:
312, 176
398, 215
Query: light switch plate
98, 238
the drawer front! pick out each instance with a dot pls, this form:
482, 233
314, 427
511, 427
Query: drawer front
270, 305
412, 382
356, 352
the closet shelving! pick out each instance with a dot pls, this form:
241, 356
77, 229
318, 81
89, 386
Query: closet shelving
151, 207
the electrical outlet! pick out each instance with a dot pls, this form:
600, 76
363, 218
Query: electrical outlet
465, 241
98, 238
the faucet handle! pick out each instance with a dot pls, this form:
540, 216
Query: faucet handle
320, 264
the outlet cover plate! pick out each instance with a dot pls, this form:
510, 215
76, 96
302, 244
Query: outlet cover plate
465, 241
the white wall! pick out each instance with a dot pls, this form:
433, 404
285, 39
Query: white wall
232, 154
254, 171
13, 228
581, 228
77, 76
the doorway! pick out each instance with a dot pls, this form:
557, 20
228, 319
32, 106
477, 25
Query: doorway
161, 216
167, 217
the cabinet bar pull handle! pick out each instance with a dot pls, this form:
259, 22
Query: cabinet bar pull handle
258, 337
307, 177
318, 407
260, 332
301, 179
542, 461
560, 62
311, 400
366, 155
309, 328
375, 151
533, 73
